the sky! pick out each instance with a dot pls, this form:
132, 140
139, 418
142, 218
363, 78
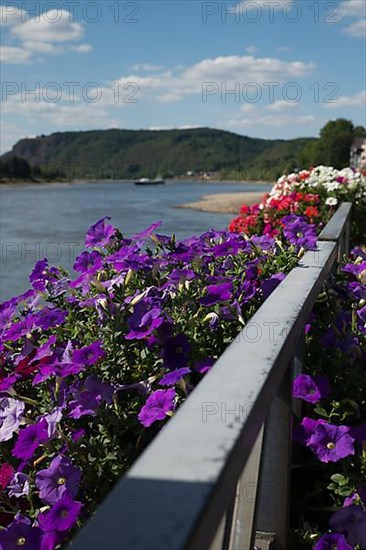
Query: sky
262, 68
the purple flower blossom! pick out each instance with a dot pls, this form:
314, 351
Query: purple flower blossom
102, 390
217, 293
354, 269
351, 521
204, 365
330, 443
157, 406
62, 516
332, 542
29, 439
310, 389
44, 350
264, 242
86, 402
48, 318
146, 234
89, 355
19, 485
20, 534
38, 277
299, 233
144, 320
100, 233
175, 351
52, 419
60, 477
173, 377
271, 283
88, 262
11, 413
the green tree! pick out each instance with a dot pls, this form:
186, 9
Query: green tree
334, 144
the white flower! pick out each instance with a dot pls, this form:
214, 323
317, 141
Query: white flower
331, 201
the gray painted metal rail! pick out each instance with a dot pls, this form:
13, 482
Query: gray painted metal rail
215, 476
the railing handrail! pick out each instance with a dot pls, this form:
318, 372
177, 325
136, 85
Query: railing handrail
337, 225
176, 493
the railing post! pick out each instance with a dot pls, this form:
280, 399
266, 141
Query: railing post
242, 536
274, 489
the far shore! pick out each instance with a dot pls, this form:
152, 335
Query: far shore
81, 181
225, 203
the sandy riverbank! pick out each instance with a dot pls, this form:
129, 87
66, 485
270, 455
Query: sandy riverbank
225, 203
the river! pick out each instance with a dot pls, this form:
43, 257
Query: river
50, 220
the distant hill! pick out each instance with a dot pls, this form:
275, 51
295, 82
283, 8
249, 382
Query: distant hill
125, 154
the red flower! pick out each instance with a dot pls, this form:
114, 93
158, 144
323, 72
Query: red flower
311, 212
6, 473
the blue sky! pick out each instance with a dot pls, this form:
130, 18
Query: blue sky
290, 65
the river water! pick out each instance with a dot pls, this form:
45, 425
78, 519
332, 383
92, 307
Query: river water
50, 220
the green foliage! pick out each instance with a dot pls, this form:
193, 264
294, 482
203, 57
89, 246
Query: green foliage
334, 144
130, 154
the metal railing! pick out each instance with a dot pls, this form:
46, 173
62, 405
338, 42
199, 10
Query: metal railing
217, 476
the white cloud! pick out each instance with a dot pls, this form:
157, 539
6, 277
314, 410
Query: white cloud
37, 46
251, 49
358, 100
282, 105
11, 14
147, 67
82, 48
277, 121
10, 54
248, 108
358, 29
57, 114
353, 8
52, 26
51, 32
228, 73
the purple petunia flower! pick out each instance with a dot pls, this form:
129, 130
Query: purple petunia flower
351, 521
310, 389
334, 541
60, 477
20, 534
175, 351
47, 318
11, 413
100, 233
88, 262
29, 439
330, 443
204, 365
271, 283
355, 269
146, 234
52, 419
84, 404
157, 406
264, 242
89, 355
299, 232
39, 277
217, 293
173, 377
144, 320
62, 516
19, 485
